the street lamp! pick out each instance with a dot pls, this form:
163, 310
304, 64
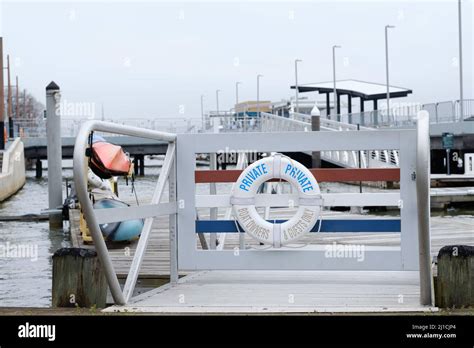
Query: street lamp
217, 102
296, 84
386, 67
461, 94
202, 111
258, 94
237, 92
237, 99
334, 76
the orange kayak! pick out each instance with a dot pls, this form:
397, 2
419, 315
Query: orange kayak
108, 160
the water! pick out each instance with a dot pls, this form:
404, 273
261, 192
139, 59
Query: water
26, 282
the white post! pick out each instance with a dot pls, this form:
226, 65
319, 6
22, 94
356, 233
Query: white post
386, 69
423, 201
202, 112
296, 85
334, 77
236, 101
258, 98
217, 103
461, 94
54, 153
212, 186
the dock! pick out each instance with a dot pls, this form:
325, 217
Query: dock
270, 291
274, 292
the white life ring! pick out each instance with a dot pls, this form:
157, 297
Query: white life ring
282, 167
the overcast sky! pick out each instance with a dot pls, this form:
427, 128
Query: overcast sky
155, 58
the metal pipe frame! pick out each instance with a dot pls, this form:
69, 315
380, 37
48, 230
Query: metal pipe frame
423, 202
80, 181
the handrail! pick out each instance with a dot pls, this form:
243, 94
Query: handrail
80, 181
423, 202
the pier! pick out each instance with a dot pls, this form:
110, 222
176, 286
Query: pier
233, 255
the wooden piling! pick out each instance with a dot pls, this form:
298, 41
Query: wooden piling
39, 169
78, 279
455, 281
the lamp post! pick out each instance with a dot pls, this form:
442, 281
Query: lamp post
9, 99
296, 85
202, 112
2, 99
386, 68
461, 94
334, 77
237, 92
258, 94
217, 102
237, 101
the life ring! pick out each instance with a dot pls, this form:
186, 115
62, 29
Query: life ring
281, 167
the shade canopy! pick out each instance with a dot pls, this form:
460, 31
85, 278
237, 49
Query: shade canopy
356, 88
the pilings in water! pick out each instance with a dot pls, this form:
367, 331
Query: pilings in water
78, 279
139, 165
455, 281
39, 169
54, 151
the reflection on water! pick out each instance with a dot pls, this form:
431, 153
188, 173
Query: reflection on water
27, 283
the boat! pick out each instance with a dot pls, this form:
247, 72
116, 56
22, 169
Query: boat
123, 231
108, 160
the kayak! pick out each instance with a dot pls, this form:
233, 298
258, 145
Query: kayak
108, 160
121, 231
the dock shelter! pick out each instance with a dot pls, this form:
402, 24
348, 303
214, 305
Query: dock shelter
366, 91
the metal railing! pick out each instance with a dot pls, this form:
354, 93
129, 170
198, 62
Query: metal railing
179, 165
148, 212
404, 116
70, 126
345, 158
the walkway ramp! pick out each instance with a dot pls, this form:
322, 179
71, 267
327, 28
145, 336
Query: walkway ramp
284, 292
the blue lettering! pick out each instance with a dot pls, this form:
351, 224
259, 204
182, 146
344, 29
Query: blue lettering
243, 187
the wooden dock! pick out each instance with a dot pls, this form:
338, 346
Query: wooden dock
274, 292
156, 261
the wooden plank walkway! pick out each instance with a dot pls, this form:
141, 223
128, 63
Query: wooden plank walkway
279, 291
156, 261
283, 292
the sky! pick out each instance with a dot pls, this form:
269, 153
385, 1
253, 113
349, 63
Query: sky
155, 59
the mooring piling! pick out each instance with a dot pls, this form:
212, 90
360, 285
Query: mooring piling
54, 152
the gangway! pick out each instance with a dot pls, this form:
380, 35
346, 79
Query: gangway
267, 278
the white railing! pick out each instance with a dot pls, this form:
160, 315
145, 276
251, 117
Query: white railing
179, 165
94, 217
345, 158
404, 116
70, 126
